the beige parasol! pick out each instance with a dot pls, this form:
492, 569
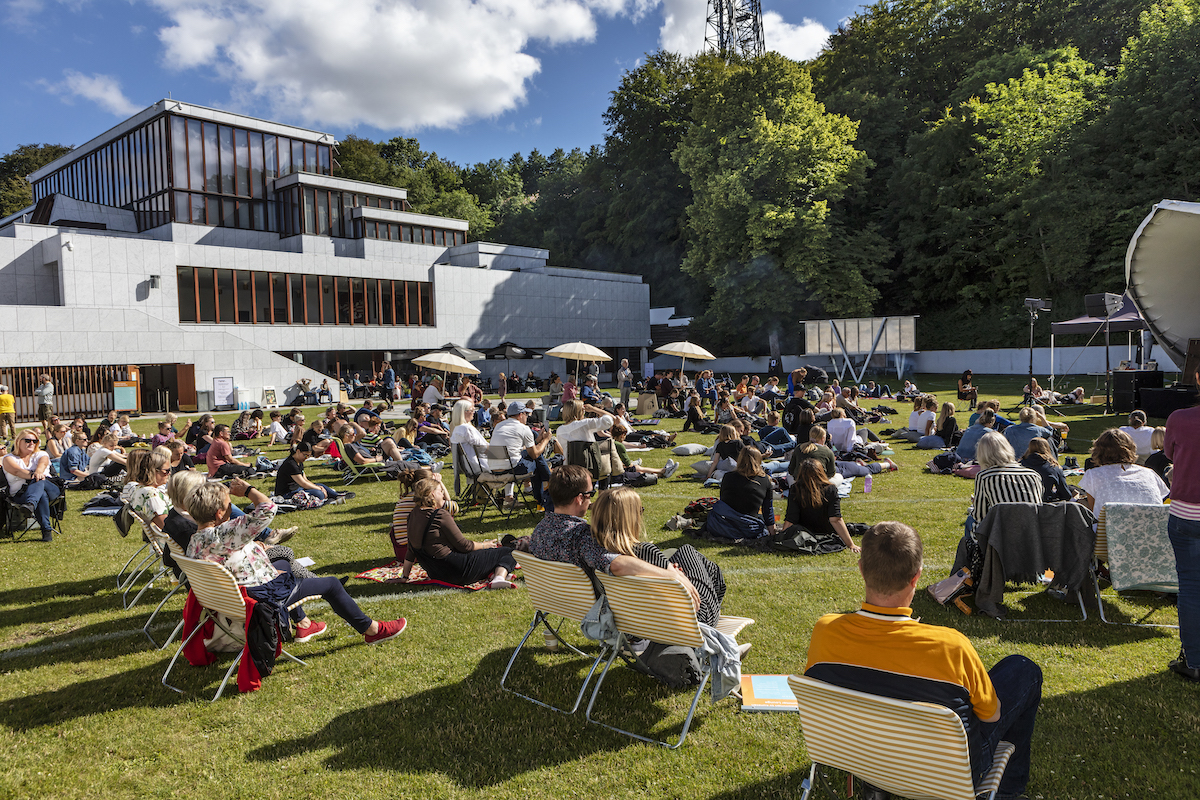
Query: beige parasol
446, 362
579, 351
685, 350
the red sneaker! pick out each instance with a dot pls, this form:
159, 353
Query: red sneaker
311, 632
387, 630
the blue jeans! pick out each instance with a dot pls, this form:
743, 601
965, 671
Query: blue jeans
39, 494
1185, 539
539, 472
1018, 684
331, 591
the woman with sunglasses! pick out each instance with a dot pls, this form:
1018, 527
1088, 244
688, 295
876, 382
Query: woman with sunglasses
27, 468
149, 500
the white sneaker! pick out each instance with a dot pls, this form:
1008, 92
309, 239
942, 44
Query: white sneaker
670, 468
437, 466
637, 462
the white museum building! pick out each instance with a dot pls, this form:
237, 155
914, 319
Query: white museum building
188, 246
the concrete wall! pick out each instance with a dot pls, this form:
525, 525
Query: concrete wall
999, 361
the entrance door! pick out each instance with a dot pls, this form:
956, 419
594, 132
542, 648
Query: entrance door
160, 388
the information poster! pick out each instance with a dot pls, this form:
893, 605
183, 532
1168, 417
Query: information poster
223, 392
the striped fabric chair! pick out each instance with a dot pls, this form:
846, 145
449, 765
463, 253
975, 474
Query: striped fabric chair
218, 592
562, 590
658, 609
916, 750
1132, 539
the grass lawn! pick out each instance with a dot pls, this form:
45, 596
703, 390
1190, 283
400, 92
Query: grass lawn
83, 714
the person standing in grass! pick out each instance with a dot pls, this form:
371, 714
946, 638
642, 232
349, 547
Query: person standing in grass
880, 649
1182, 446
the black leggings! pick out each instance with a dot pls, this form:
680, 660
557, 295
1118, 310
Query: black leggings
463, 569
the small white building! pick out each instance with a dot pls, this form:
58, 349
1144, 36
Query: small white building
188, 245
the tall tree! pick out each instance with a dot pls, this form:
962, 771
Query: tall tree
16, 192
766, 165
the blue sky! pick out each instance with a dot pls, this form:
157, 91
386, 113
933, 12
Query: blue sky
471, 79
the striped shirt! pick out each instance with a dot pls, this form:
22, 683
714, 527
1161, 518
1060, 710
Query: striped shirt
1007, 483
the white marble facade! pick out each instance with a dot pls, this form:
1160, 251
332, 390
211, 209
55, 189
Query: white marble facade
83, 297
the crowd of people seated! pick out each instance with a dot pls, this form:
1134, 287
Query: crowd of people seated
806, 445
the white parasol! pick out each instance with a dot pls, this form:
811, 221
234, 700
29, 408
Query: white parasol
685, 350
579, 351
446, 362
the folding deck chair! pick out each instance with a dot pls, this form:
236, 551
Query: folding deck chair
556, 589
658, 609
218, 593
916, 750
482, 485
1133, 540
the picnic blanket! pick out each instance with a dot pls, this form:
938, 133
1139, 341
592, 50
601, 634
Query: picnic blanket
390, 573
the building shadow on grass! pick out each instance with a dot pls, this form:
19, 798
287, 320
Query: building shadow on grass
139, 688
479, 735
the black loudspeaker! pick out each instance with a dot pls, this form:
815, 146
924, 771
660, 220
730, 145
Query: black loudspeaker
1097, 305
1127, 386
1159, 403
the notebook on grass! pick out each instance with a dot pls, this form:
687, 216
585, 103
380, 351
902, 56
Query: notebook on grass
767, 693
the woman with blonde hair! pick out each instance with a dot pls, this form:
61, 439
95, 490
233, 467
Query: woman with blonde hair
1000, 479
813, 503
725, 453
27, 469
944, 428
618, 526
466, 441
149, 499
1157, 460
441, 549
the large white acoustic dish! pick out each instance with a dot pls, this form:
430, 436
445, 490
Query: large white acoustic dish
1162, 270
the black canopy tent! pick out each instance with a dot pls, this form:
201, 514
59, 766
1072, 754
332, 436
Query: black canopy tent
509, 352
1126, 319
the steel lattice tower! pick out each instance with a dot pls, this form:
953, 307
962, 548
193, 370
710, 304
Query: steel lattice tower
734, 26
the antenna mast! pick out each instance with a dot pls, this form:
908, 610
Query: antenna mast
734, 27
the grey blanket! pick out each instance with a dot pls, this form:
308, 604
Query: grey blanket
1021, 541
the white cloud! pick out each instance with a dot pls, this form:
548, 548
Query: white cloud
103, 90
392, 64
20, 13
799, 42
683, 31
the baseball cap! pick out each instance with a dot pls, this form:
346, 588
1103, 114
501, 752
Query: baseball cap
515, 408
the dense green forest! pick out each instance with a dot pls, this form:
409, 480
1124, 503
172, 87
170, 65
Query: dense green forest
945, 158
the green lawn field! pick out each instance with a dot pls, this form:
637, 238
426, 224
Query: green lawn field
83, 713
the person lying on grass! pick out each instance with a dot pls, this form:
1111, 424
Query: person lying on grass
231, 543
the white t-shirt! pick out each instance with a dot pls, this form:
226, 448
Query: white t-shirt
1123, 483
917, 420
98, 459
277, 430
14, 483
471, 440
841, 434
582, 430
432, 395
1141, 437
515, 435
